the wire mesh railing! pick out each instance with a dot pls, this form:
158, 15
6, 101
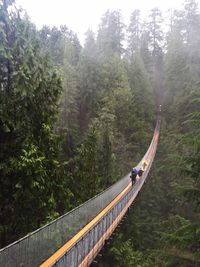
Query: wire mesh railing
79, 254
34, 248
37, 246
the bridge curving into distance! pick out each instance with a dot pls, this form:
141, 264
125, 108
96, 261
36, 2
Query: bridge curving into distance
75, 238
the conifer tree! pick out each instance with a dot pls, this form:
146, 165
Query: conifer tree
134, 33
111, 33
28, 148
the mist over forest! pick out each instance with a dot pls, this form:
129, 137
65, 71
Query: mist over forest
74, 119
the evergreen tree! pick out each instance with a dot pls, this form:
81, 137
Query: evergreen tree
111, 34
134, 33
89, 80
156, 48
29, 101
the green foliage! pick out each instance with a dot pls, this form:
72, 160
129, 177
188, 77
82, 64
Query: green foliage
87, 170
134, 32
61, 147
125, 255
29, 102
111, 33
163, 228
89, 80
94, 162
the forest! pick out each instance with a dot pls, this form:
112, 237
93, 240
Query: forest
76, 118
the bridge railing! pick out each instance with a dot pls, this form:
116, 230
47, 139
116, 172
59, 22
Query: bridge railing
88, 245
79, 251
34, 248
37, 246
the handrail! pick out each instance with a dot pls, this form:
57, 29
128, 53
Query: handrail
32, 249
62, 252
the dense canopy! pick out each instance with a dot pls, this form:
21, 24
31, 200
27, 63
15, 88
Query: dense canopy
73, 120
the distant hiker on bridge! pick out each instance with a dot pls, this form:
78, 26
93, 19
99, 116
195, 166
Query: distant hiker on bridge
137, 171
144, 164
134, 174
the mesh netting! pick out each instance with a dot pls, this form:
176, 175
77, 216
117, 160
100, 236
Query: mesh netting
80, 251
34, 248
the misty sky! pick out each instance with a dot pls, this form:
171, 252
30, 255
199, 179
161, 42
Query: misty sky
79, 15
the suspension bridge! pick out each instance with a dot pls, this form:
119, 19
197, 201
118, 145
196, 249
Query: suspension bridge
76, 238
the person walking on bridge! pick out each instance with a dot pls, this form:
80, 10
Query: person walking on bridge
137, 171
134, 174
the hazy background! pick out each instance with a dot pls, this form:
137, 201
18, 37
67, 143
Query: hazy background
80, 15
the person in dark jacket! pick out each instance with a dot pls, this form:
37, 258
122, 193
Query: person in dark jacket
134, 174
138, 171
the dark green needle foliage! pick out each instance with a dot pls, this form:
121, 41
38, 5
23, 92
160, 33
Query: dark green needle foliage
29, 95
74, 119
